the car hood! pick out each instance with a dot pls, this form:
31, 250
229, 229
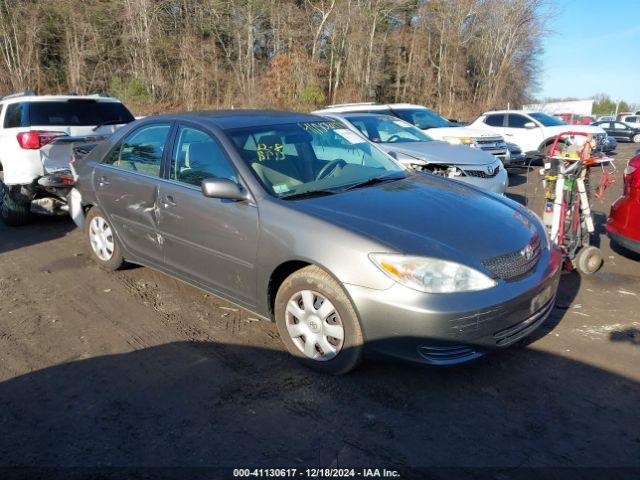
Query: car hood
430, 216
461, 132
441, 153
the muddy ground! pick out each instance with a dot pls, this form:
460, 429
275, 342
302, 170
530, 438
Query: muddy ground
134, 368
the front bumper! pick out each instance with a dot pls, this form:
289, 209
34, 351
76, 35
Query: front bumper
444, 329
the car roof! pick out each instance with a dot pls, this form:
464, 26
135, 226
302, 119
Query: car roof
49, 98
354, 107
359, 114
230, 119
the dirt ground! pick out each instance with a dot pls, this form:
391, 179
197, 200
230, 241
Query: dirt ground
134, 368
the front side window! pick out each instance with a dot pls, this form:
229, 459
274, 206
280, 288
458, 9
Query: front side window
495, 120
618, 126
385, 129
422, 118
517, 121
142, 150
308, 157
197, 156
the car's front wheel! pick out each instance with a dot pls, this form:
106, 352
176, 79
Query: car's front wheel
636, 138
317, 322
103, 243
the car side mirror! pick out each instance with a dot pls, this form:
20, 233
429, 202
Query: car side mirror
529, 125
223, 188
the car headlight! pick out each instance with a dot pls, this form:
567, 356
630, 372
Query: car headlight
460, 140
410, 160
431, 275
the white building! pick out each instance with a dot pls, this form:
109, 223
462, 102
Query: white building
578, 107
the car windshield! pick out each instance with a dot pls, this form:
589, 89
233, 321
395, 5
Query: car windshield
422, 118
302, 158
386, 129
547, 120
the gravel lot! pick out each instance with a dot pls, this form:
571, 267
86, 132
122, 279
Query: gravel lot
134, 368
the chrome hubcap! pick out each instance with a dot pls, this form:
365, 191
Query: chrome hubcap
314, 325
101, 238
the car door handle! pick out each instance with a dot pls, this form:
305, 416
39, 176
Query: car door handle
168, 202
509, 134
103, 182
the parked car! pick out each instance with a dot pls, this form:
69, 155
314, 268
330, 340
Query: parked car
606, 118
411, 146
631, 120
620, 131
295, 218
533, 132
609, 144
517, 158
37, 136
435, 125
623, 224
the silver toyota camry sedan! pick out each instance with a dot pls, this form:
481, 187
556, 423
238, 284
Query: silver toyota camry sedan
301, 221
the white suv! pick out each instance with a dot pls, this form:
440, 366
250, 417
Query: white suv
533, 132
37, 134
436, 126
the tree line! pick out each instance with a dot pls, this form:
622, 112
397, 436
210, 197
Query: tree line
458, 57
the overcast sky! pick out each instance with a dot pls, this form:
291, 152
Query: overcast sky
594, 48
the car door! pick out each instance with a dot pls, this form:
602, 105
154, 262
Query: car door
529, 139
607, 127
126, 184
212, 242
621, 131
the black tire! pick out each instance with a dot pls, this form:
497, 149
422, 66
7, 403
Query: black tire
546, 150
636, 138
589, 260
117, 260
317, 280
13, 212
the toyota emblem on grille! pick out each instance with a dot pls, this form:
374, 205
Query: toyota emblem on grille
527, 252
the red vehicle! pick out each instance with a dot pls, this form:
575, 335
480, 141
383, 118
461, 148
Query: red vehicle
623, 224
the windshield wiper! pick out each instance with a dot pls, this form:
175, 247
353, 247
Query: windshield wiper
373, 181
309, 194
108, 122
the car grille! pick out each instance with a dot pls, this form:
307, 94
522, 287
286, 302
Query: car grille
515, 265
495, 146
482, 173
447, 355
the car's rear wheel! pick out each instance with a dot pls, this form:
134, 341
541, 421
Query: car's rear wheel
317, 322
636, 138
13, 211
103, 243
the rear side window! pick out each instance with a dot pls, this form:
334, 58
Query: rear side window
495, 120
142, 150
16, 116
78, 113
